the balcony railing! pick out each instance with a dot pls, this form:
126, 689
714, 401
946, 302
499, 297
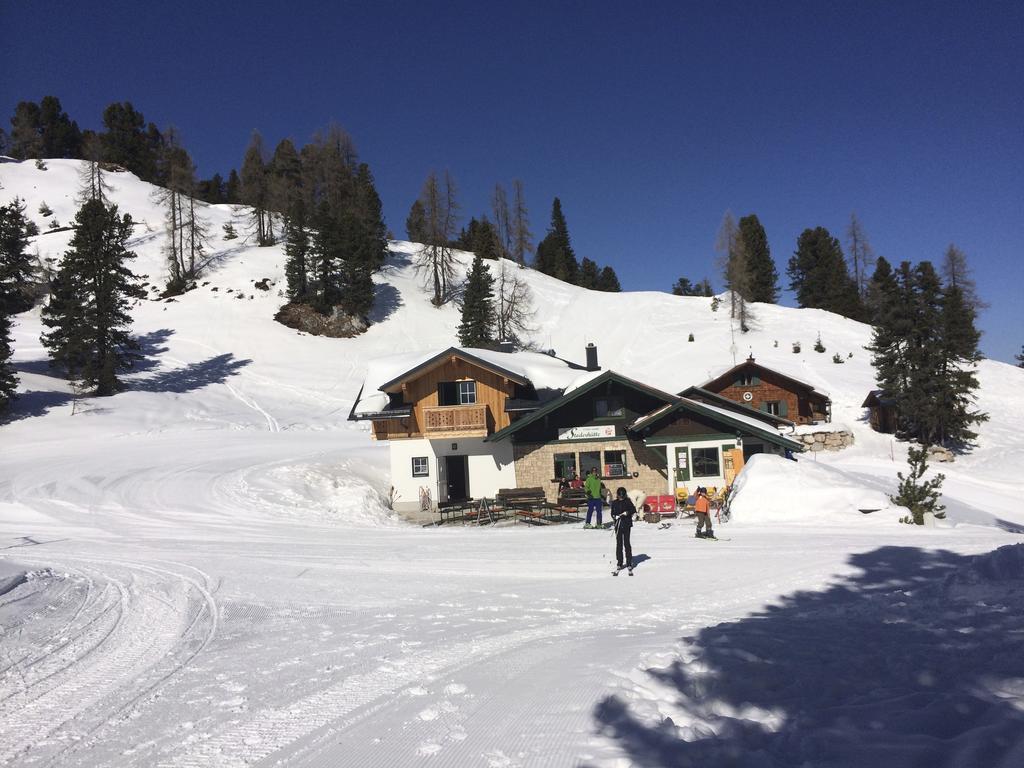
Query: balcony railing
455, 421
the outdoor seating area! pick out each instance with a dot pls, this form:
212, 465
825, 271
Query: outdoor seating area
526, 505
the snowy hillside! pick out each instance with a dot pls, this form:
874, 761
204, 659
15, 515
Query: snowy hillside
203, 570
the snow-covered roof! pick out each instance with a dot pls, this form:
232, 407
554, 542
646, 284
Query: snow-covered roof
544, 372
751, 421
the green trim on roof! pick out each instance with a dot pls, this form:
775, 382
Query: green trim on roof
766, 434
558, 402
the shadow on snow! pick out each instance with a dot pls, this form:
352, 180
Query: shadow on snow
913, 662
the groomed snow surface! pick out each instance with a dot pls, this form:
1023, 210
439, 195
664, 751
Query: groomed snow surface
202, 570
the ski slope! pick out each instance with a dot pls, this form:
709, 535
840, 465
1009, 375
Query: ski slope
202, 570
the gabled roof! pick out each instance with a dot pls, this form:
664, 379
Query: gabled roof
573, 392
749, 362
548, 375
878, 397
441, 357
741, 422
726, 403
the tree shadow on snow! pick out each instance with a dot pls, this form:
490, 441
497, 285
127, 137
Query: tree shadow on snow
215, 370
386, 300
913, 662
34, 403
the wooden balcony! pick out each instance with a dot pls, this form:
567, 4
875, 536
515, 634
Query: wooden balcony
455, 421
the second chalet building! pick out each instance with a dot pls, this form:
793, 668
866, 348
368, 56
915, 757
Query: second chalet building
464, 423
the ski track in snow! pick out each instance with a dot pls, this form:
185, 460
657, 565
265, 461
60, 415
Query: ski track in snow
144, 625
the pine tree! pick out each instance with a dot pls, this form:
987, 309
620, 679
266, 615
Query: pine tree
588, 274
1020, 358
8, 377
284, 176
232, 189
762, 275
297, 251
819, 277
555, 255
919, 498
608, 281
88, 310
26, 138
478, 320
416, 222
15, 261
957, 381
128, 142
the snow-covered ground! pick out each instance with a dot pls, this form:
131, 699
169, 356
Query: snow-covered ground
202, 571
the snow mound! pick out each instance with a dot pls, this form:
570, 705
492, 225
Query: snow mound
772, 488
1005, 564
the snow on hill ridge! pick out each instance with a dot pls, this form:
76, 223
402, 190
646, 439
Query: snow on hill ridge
218, 361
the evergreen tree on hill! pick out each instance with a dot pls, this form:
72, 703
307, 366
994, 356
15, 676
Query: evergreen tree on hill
284, 176
555, 255
232, 189
608, 281
296, 250
956, 272
44, 130
416, 223
87, 316
955, 411
819, 277
15, 261
588, 274
1020, 358
763, 278
860, 255
8, 377
478, 317
129, 142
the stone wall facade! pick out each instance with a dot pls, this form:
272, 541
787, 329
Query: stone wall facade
826, 441
535, 465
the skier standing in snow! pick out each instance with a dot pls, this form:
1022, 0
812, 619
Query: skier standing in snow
623, 511
702, 508
594, 503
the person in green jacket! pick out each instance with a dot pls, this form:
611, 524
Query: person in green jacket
594, 501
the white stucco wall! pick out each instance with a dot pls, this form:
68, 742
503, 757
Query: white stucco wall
490, 468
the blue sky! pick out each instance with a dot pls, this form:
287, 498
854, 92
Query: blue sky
649, 120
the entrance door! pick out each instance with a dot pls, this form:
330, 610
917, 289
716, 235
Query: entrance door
751, 449
457, 473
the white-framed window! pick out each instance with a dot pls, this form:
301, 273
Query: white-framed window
467, 392
772, 407
420, 466
705, 462
746, 379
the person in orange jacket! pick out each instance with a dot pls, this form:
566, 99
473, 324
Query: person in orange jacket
702, 507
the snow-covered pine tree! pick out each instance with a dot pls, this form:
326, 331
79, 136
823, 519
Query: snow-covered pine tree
87, 317
8, 378
16, 268
916, 496
478, 317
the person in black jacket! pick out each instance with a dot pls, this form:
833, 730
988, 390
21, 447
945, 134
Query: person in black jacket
623, 511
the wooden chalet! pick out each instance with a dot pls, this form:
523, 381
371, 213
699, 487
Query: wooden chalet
771, 392
465, 423
882, 413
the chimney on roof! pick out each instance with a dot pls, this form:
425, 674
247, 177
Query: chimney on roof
750, 358
506, 346
592, 358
